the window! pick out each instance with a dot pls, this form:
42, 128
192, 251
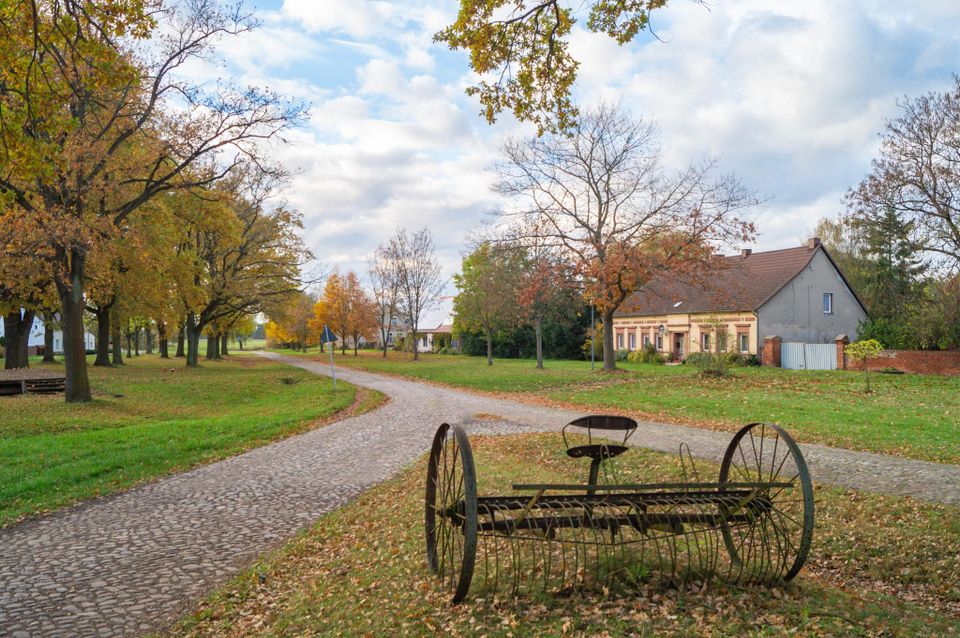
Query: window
743, 340
646, 341
705, 341
828, 303
619, 341
632, 340
659, 342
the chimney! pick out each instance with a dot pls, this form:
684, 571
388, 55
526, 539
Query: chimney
813, 243
745, 252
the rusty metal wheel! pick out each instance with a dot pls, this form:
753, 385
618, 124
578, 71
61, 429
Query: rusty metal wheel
775, 540
450, 513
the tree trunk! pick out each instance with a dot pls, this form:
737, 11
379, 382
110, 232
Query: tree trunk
117, 343
103, 336
77, 386
181, 337
213, 347
149, 339
356, 344
538, 329
489, 349
416, 347
192, 335
240, 343
136, 342
162, 341
609, 354
47, 339
16, 329
129, 336
223, 345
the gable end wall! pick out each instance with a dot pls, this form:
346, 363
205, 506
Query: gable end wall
796, 314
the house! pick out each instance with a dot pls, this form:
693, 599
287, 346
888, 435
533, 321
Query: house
437, 325
429, 339
35, 340
797, 294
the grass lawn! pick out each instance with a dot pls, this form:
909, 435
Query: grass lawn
149, 418
916, 416
879, 566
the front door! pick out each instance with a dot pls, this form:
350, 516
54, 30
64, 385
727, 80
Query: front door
678, 344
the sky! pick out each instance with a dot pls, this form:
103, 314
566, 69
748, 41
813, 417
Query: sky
790, 96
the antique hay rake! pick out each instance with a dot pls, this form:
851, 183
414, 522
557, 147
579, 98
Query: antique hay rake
754, 524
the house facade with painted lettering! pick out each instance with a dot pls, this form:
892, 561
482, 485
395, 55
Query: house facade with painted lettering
797, 294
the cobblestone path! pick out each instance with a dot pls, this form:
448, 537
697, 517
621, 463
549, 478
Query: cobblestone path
131, 563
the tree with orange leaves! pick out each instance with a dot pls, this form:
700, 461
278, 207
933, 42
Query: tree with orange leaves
88, 132
602, 197
362, 313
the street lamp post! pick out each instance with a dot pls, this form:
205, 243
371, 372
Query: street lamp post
593, 339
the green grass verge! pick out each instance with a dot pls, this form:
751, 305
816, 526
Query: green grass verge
361, 571
916, 416
149, 418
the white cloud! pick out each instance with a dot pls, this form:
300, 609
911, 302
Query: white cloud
790, 95
359, 18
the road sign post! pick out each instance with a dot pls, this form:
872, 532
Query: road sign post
328, 337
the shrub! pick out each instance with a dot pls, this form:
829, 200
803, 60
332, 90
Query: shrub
648, 354
861, 351
699, 359
621, 355
585, 348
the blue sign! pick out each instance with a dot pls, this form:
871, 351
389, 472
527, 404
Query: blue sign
327, 336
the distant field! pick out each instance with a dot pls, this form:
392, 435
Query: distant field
148, 418
916, 416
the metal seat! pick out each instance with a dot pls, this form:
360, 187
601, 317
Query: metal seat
599, 451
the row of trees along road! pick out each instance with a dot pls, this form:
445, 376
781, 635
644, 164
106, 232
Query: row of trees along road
598, 208
127, 189
405, 282
898, 242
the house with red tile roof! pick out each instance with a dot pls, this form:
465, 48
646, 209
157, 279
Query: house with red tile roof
797, 294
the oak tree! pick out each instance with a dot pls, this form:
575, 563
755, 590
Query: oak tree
603, 197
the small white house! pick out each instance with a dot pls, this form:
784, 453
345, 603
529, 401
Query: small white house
35, 341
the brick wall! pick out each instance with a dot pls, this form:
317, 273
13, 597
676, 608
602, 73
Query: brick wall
771, 351
917, 361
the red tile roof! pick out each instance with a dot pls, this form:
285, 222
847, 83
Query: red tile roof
745, 283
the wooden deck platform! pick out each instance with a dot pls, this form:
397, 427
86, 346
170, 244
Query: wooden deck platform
28, 380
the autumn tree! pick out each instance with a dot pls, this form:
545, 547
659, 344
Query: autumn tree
602, 196
418, 273
486, 300
361, 314
26, 287
335, 307
545, 287
385, 286
90, 131
519, 50
245, 253
290, 320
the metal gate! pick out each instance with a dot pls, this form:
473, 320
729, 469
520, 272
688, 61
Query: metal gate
808, 356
